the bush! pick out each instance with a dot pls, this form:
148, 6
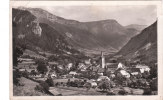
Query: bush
25, 74
104, 85
147, 91
122, 92
41, 67
42, 87
50, 82
110, 93
153, 72
39, 88
16, 75
153, 85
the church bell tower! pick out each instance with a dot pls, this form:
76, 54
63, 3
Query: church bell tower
102, 60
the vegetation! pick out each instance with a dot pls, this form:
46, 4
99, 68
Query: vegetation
104, 85
42, 68
42, 87
28, 89
50, 82
16, 75
153, 71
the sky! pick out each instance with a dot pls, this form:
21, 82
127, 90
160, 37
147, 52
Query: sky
125, 15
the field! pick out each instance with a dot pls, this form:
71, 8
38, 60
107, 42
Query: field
27, 88
68, 91
63, 80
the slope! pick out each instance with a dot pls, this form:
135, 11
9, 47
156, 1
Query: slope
143, 46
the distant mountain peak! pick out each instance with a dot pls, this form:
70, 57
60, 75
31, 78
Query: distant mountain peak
136, 26
105, 34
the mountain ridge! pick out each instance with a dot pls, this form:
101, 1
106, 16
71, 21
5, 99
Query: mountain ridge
107, 31
142, 46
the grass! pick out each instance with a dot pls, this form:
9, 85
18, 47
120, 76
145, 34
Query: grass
64, 80
67, 91
28, 88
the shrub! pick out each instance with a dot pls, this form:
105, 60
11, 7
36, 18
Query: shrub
39, 88
25, 74
16, 75
153, 85
110, 93
42, 87
147, 91
122, 92
153, 72
50, 82
104, 85
41, 67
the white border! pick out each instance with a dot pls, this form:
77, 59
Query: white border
96, 3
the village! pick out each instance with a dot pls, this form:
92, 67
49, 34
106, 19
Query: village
88, 77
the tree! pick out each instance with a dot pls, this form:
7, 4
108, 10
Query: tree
153, 72
104, 85
17, 52
41, 67
50, 81
33, 72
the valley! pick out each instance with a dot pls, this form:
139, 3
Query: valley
68, 57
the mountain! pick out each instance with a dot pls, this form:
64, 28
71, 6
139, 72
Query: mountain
143, 46
89, 37
136, 26
27, 30
106, 34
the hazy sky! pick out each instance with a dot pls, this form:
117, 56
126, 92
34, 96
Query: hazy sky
125, 15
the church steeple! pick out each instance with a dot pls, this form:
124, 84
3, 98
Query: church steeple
102, 60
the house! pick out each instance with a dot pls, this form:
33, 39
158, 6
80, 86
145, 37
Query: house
69, 65
120, 66
134, 73
112, 76
52, 74
72, 73
60, 67
94, 69
143, 68
87, 62
93, 83
100, 71
124, 73
111, 65
52, 63
25, 59
81, 65
22, 69
103, 78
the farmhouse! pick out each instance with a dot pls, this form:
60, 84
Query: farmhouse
103, 78
52, 63
72, 73
100, 71
22, 69
87, 61
93, 83
121, 66
143, 68
124, 73
69, 65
